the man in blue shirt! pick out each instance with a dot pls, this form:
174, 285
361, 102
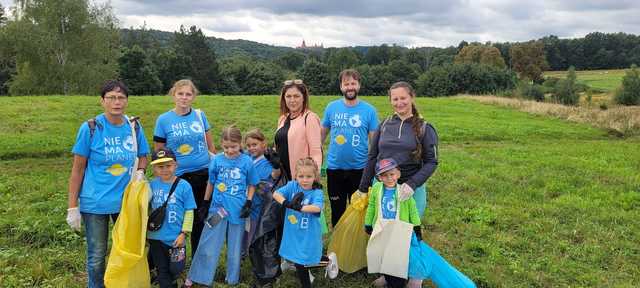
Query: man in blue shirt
350, 123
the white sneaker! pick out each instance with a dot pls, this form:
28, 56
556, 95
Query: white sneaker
332, 267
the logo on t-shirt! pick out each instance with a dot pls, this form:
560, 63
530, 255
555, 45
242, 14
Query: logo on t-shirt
340, 139
116, 169
196, 127
185, 149
355, 121
128, 144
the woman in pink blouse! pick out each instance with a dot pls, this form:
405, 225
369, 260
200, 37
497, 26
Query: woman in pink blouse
298, 133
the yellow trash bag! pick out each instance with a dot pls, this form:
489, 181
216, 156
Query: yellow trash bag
127, 265
349, 241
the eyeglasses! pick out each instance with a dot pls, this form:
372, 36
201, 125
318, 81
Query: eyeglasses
294, 81
114, 98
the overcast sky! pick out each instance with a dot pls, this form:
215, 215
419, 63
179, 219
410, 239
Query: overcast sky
410, 23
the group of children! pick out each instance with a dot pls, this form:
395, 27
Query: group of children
235, 206
233, 212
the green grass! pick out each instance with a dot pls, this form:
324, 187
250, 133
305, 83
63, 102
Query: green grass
605, 80
517, 201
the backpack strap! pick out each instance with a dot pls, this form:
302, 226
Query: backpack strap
92, 123
173, 188
133, 121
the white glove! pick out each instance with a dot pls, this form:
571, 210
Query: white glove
406, 192
139, 176
74, 218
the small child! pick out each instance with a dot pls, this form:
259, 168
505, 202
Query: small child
262, 247
423, 261
255, 144
167, 244
232, 181
302, 238
383, 198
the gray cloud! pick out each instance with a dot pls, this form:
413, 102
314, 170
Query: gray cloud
362, 22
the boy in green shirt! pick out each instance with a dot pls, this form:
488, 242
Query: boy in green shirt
388, 173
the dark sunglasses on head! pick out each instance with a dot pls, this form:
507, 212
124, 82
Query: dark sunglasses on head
294, 81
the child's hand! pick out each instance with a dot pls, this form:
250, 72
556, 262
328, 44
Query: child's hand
246, 209
179, 242
295, 203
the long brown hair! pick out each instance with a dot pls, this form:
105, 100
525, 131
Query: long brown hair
284, 110
416, 120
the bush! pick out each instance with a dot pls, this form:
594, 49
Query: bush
464, 78
629, 92
550, 82
566, 92
530, 91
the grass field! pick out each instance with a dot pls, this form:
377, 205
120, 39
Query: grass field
518, 200
605, 80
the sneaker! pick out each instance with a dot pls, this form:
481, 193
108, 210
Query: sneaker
332, 267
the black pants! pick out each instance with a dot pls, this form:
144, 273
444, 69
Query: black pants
395, 282
198, 180
303, 275
168, 272
340, 185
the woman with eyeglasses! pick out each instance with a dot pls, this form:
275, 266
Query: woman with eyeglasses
104, 157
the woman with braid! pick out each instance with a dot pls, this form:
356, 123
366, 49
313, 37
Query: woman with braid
411, 142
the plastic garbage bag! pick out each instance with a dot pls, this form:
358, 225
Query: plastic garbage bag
349, 241
426, 263
127, 266
265, 243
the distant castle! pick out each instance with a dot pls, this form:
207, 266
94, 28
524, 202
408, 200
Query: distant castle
314, 46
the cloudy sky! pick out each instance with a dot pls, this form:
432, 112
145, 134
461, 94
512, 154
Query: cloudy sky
410, 23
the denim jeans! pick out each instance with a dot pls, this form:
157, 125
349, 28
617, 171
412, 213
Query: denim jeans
97, 232
205, 261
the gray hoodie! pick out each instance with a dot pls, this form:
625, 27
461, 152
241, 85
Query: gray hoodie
396, 139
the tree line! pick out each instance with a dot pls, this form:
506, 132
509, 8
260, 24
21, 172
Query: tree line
71, 46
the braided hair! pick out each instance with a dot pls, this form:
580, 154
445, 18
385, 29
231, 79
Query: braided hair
416, 120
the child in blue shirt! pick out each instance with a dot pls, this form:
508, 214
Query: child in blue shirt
302, 236
232, 181
256, 146
167, 244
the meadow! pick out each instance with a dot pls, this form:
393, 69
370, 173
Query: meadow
518, 200
603, 80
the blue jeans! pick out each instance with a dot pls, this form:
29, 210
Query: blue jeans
205, 261
97, 232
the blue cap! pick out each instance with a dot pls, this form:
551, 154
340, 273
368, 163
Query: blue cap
385, 165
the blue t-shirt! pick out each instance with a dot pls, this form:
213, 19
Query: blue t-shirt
180, 202
263, 169
349, 135
302, 236
185, 138
389, 203
110, 158
230, 178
